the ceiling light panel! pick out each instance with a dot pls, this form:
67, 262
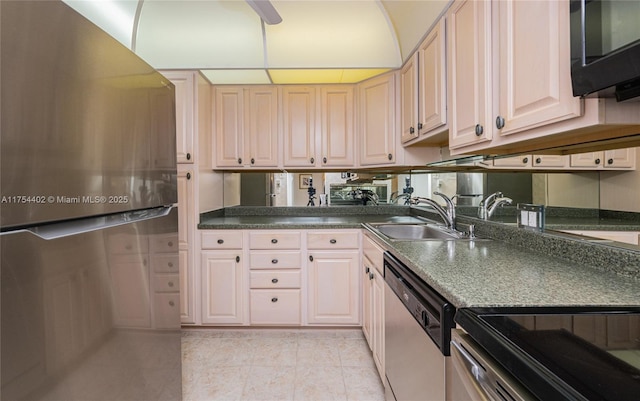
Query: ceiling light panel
331, 34
113, 16
323, 76
200, 34
237, 77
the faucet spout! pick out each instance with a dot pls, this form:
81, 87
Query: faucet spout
489, 204
441, 211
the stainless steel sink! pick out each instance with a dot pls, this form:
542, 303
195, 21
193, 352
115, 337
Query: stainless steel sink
395, 231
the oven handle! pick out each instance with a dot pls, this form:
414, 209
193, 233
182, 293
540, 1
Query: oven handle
476, 370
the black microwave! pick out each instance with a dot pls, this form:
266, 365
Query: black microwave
605, 48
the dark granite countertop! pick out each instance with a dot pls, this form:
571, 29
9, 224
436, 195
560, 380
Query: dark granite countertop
516, 267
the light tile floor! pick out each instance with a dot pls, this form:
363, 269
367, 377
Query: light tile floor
278, 365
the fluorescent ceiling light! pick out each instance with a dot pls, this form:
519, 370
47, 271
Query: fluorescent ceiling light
266, 11
237, 77
323, 76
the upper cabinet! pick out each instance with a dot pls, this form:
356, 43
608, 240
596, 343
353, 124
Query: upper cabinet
299, 124
246, 126
509, 81
337, 126
424, 91
377, 121
185, 83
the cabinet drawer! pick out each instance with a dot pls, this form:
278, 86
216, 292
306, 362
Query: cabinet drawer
127, 243
275, 307
334, 240
222, 239
165, 263
276, 279
166, 310
163, 243
275, 240
166, 283
275, 260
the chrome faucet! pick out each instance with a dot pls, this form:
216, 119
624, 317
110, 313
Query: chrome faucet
448, 214
395, 197
489, 204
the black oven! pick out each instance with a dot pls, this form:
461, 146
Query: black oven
571, 353
605, 48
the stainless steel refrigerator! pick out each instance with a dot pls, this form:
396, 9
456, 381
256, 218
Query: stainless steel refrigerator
90, 302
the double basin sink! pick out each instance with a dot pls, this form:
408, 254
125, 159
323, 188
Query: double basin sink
417, 232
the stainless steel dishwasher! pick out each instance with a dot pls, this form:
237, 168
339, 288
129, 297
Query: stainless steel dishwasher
418, 323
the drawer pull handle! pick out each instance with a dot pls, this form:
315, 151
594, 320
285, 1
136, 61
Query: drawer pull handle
274, 241
171, 303
237, 258
274, 280
333, 241
311, 258
367, 269
170, 264
274, 299
220, 241
274, 261
371, 276
170, 243
170, 284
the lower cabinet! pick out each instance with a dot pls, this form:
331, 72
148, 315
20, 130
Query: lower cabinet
373, 301
223, 288
281, 277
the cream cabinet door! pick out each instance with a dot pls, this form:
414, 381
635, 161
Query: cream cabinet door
409, 99
432, 81
224, 292
337, 126
377, 320
469, 67
299, 126
229, 126
186, 226
620, 158
534, 69
377, 121
333, 287
262, 116
366, 270
184, 83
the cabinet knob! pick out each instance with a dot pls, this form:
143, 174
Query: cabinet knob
312, 160
479, 130
390, 156
525, 160
371, 276
128, 247
170, 264
274, 241
171, 303
237, 258
420, 125
253, 161
597, 161
411, 130
324, 160
188, 176
239, 160
333, 240
220, 241
274, 261
499, 122
274, 280
609, 161
170, 243
274, 299
188, 156
170, 284
367, 269
311, 258
538, 160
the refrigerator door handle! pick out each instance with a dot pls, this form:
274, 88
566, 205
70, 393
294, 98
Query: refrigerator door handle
74, 227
